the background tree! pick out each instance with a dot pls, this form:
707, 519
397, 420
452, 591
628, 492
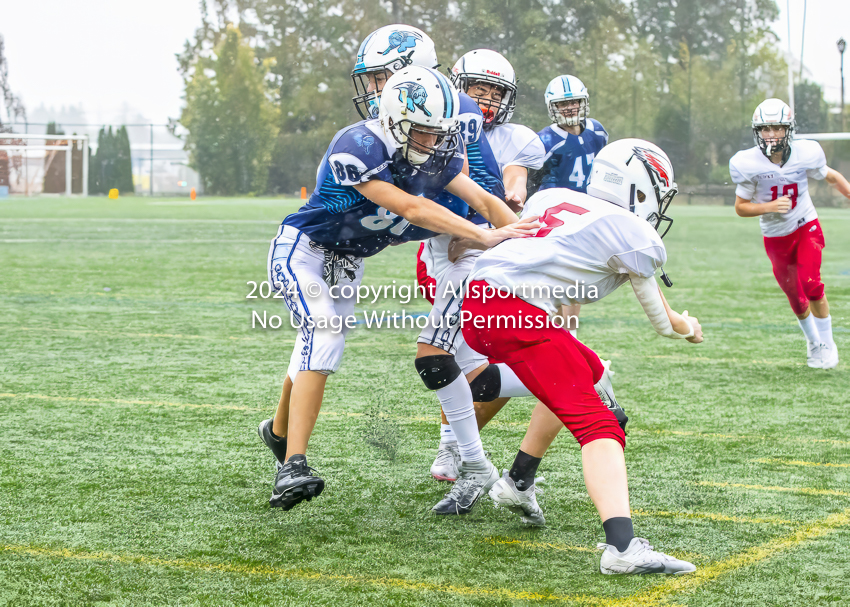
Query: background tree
112, 165
686, 75
231, 116
810, 108
14, 111
123, 168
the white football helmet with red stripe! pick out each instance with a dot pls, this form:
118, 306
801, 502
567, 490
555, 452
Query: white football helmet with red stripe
636, 175
773, 113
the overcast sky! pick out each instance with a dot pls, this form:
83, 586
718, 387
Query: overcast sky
116, 58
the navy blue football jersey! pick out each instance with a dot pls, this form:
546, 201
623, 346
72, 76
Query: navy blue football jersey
483, 168
569, 157
341, 219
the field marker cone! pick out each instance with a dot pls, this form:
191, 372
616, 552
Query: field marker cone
113, 193
303, 193
192, 194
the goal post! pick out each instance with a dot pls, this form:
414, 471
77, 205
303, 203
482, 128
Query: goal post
18, 149
823, 136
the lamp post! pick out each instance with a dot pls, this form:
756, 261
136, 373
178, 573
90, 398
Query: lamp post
841, 46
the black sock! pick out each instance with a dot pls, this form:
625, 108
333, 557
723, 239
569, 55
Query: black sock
523, 471
619, 532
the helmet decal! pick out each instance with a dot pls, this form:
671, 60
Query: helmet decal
414, 95
364, 141
362, 50
446, 88
402, 41
653, 161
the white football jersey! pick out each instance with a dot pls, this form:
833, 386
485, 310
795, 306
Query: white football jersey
761, 181
583, 242
514, 144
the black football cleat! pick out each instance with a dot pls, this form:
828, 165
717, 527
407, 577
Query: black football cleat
295, 483
272, 441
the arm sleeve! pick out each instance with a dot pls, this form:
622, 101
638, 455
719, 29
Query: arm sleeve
746, 188
646, 290
819, 168
641, 263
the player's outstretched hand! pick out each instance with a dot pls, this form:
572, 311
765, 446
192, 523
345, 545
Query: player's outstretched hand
697, 336
781, 205
525, 227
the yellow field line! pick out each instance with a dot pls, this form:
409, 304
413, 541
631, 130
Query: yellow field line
792, 462
301, 574
651, 597
804, 490
155, 403
162, 403
713, 517
497, 541
689, 583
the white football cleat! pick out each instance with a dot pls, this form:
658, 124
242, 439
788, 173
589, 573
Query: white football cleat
829, 356
814, 354
640, 558
505, 494
469, 488
447, 464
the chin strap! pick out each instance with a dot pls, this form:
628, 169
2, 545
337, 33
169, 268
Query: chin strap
666, 279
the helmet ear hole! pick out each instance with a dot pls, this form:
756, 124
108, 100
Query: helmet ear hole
641, 196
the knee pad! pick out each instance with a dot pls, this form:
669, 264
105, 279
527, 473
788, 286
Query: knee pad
486, 385
437, 371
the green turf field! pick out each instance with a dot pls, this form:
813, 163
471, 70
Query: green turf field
131, 472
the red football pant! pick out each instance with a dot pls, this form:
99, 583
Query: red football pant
557, 368
427, 283
796, 260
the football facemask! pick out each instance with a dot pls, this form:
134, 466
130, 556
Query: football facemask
657, 218
427, 149
368, 87
569, 113
491, 70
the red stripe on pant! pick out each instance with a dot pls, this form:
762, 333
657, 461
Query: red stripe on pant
557, 368
796, 260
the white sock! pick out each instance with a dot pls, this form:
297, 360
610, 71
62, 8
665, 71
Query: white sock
456, 400
511, 385
447, 435
810, 329
824, 326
